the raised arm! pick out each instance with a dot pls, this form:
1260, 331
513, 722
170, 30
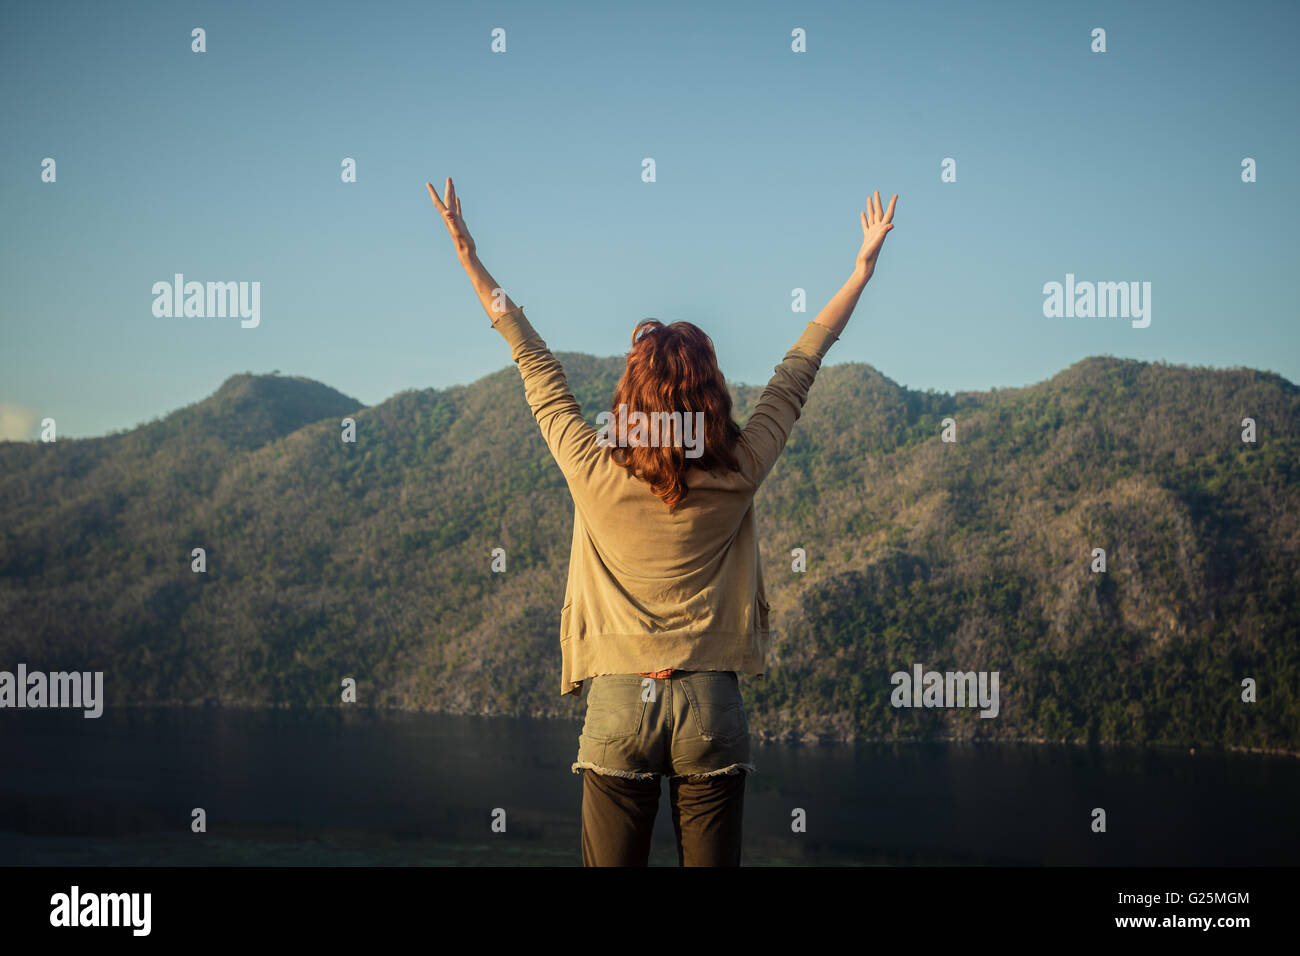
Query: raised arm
782, 401
571, 440
876, 224
493, 298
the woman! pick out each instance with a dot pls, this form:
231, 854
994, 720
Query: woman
665, 600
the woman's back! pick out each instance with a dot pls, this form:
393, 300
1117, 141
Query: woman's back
652, 587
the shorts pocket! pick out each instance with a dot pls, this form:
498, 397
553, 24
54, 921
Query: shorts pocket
716, 704
615, 707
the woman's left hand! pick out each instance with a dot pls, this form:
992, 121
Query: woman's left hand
450, 209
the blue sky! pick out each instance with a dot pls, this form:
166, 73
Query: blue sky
225, 166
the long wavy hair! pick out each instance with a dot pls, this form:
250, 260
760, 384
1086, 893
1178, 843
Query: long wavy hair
673, 368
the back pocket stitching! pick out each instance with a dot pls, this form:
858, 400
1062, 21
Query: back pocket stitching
696, 712
638, 710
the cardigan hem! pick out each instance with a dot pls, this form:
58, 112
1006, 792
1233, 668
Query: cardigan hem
742, 651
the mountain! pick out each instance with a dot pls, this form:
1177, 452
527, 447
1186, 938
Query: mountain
328, 560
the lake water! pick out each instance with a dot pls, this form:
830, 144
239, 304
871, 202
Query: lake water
332, 788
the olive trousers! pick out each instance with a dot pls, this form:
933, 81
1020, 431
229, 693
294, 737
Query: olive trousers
690, 727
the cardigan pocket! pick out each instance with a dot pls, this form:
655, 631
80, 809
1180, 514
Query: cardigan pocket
566, 623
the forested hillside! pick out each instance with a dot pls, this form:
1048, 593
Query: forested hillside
371, 560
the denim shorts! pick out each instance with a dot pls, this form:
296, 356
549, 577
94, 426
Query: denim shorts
691, 724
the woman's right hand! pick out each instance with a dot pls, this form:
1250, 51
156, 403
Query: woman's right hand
875, 226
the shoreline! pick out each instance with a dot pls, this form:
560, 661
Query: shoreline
761, 735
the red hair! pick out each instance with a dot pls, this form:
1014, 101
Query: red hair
673, 368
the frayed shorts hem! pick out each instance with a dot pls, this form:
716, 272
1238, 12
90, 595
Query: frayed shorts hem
728, 770
625, 774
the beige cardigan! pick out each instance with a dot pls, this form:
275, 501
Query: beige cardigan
650, 589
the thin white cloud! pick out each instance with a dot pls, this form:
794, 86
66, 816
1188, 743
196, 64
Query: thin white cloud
17, 423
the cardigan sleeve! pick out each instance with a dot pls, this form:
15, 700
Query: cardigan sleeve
782, 401
569, 437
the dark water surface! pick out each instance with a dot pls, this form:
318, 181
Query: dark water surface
328, 788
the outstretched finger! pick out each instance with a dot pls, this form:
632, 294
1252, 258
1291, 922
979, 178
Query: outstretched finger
889, 214
866, 226
457, 207
436, 201
450, 197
